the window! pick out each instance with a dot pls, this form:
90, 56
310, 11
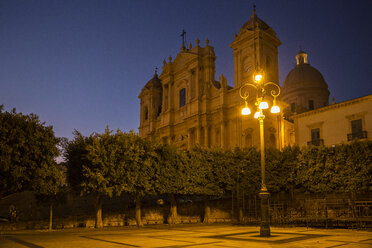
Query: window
311, 104
315, 138
272, 141
248, 140
293, 107
182, 97
357, 130
315, 134
356, 126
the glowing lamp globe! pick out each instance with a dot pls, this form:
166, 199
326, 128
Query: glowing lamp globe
263, 105
275, 109
246, 111
257, 78
256, 115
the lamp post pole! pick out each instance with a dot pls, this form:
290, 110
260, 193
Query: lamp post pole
264, 194
261, 105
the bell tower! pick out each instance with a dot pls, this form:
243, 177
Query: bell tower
255, 47
151, 106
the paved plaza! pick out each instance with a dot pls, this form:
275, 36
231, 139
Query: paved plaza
222, 235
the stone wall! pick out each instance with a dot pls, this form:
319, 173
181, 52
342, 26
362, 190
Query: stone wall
300, 210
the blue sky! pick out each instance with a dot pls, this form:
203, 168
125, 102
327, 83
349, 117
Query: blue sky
82, 64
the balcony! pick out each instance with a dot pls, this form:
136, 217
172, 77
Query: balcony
316, 142
359, 135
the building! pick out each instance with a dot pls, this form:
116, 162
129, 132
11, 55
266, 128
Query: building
185, 104
336, 123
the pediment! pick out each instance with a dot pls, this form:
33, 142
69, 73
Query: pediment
182, 59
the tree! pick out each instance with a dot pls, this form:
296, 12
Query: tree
209, 174
95, 167
344, 168
170, 175
109, 164
246, 174
279, 167
48, 190
83, 175
75, 155
27, 152
141, 161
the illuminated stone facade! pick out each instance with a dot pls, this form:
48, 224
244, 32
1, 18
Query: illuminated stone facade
185, 104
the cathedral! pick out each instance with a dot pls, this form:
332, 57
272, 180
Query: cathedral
185, 105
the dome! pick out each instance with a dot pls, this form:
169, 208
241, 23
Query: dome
304, 88
304, 75
154, 83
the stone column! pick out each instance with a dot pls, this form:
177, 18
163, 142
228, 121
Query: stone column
170, 96
206, 136
223, 133
189, 139
197, 140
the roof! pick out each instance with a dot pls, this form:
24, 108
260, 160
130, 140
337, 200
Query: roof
304, 75
154, 83
255, 22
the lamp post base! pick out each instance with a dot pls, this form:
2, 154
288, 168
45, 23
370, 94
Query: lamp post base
265, 226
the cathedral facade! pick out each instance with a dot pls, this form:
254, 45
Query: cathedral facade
185, 105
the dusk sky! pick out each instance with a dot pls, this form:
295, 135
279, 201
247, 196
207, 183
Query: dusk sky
82, 64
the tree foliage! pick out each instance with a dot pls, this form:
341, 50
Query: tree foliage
27, 152
111, 163
171, 170
343, 168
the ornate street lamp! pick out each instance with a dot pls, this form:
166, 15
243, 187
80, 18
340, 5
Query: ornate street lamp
262, 90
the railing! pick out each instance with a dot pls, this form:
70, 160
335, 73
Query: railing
359, 135
316, 142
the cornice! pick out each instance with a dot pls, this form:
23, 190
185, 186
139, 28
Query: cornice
334, 106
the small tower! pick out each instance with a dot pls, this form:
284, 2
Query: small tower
151, 105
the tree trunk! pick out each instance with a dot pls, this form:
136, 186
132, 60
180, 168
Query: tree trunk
173, 209
98, 206
326, 211
207, 210
352, 198
241, 217
352, 204
138, 211
232, 205
50, 216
